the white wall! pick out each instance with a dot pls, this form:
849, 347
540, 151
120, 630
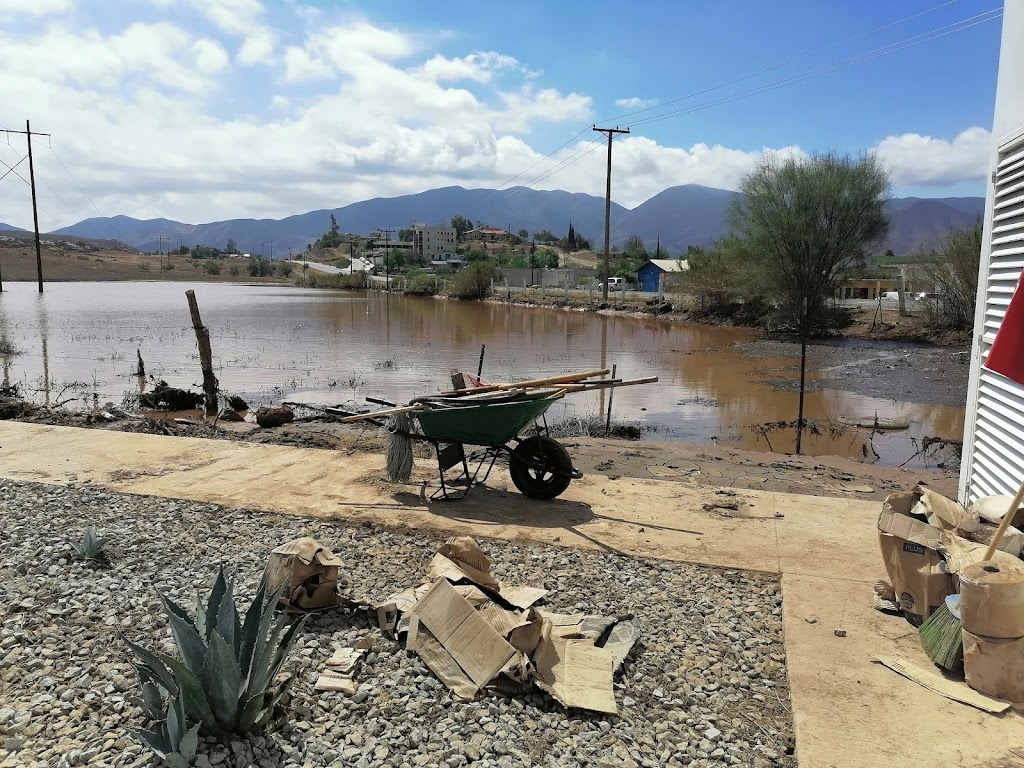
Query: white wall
1008, 123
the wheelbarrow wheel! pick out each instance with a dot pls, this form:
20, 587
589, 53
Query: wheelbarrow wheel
540, 467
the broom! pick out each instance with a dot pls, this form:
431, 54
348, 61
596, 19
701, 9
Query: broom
940, 635
398, 454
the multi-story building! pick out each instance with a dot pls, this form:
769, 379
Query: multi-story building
433, 243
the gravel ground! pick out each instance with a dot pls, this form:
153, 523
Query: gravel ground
706, 685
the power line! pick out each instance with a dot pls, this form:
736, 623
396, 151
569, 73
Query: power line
619, 118
10, 168
959, 26
84, 194
844, 64
782, 64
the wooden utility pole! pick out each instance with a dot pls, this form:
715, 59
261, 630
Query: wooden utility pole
387, 266
28, 133
608, 208
210, 384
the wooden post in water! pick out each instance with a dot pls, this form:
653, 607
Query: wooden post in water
210, 384
608, 418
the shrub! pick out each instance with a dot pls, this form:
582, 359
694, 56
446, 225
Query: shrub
143, 267
234, 270
422, 285
284, 268
213, 267
224, 681
473, 282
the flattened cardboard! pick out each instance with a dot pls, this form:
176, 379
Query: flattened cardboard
474, 645
940, 685
575, 672
443, 664
443, 567
331, 680
465, 551
522, 597
526, 638
501, 619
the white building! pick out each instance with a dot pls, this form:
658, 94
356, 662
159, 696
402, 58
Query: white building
433, 243
993, 457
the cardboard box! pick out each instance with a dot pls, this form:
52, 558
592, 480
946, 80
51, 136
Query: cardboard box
911, 550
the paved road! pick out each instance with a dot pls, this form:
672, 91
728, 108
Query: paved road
358, 265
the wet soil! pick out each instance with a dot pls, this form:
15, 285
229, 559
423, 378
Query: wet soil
913, 373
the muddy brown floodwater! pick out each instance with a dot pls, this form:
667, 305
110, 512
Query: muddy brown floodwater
77, 343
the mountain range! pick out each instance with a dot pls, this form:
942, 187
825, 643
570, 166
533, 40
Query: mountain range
678, 216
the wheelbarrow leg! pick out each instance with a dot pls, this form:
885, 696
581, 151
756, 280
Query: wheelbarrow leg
451, 456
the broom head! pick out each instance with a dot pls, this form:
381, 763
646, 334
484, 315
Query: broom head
940, 635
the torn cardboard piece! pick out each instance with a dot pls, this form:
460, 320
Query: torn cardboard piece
339, 674
308, 572
473, 643
575, 671
938, 684
460, 559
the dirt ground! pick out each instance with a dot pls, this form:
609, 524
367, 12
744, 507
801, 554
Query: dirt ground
64, 264
688, 463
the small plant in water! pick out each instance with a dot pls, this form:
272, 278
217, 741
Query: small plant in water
90, 547
225, 678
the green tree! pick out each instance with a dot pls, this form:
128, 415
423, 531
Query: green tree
544, 236
182, 250
806, 221
635, 248
524, 234
231, 247
473, 282
461, 225
954, 271
204, 252
405, 235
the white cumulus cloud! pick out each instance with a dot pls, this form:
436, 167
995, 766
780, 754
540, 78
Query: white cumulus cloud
917, 160
635, 102
34, 7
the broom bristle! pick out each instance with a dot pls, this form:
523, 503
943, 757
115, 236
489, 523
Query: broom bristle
398, 455
941, 639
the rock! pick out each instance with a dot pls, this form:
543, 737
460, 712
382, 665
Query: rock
229, 415
839, 632
274, 417
237, 404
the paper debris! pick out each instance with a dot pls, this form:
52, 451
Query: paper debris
940, 685
575, 671
308, 574
341, 667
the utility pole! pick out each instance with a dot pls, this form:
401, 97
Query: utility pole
608, 208
28, 134
387, 265
161, 250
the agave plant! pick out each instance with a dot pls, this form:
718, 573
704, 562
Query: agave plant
172, 740
225, 679
91, 545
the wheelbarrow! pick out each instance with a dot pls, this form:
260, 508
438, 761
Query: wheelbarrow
540, 467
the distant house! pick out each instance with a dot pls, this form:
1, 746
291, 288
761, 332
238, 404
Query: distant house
486, 234
656, 271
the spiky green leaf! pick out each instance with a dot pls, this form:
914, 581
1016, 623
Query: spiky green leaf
285, 645
190, 645
155, 740
213, 604
189, 743
197, 706
155, 666
224, 683
263, 665
151, 702
176, 723
175, 760
228, 626
201, 618
256, 625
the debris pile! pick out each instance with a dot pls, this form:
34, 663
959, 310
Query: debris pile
476, 633
935, 548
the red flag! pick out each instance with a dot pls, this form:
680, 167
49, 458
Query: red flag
1007, 353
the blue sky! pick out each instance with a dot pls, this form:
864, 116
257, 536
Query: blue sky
208, 109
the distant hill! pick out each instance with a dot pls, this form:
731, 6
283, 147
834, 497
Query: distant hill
680, 216
9, 228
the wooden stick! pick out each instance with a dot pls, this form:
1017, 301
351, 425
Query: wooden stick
590, 386
210, 384
564, 378
389, 412
1005, 522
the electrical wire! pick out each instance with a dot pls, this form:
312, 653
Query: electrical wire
724, 85
949, 29
84, 194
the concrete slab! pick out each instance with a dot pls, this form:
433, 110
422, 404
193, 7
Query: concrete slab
849, 712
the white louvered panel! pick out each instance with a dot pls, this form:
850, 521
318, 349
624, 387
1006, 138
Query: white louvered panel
997, 458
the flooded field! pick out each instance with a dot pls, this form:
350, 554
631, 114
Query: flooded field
76, 344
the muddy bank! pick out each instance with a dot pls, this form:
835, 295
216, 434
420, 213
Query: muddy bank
688, 463
912, 373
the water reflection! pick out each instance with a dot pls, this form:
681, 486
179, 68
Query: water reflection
328, 347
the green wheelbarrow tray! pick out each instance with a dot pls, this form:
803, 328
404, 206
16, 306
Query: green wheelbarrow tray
488, 424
